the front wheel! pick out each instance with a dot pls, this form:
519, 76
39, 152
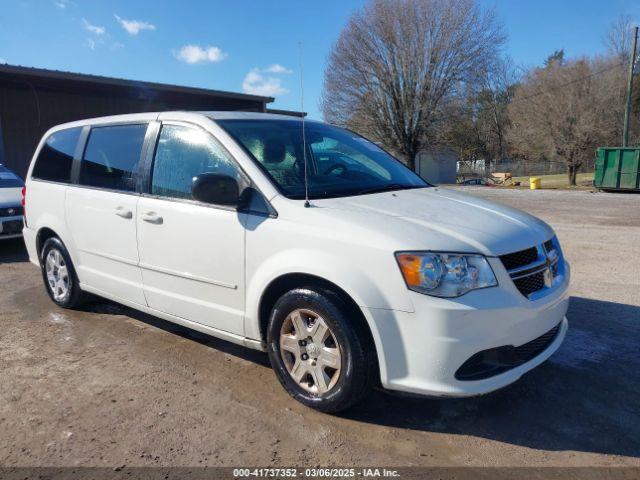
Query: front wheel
320, 351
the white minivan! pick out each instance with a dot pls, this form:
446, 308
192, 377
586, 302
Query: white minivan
301, 239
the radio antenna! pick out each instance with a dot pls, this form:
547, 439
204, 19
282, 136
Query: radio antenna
304, 138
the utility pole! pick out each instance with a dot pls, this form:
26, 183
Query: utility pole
627, 107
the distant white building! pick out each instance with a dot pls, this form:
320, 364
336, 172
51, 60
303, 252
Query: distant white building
437, 165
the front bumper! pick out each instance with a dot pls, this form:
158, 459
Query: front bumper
421, 351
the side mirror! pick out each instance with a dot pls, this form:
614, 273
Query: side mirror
216, 188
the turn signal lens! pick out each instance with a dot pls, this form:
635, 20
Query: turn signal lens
421, 271
410, 266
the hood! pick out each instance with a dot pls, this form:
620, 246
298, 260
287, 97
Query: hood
443, 219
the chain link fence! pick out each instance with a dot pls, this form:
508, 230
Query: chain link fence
518, 168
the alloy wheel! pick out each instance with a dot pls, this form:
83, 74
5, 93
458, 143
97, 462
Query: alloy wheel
310, 351
57, 274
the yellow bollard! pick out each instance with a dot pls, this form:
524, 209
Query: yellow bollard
535, 183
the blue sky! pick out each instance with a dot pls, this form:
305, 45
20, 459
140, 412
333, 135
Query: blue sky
252, 46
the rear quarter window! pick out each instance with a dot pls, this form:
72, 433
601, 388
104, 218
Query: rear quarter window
111, 157
56, 157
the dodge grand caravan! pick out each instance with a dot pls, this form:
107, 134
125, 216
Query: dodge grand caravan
379, 278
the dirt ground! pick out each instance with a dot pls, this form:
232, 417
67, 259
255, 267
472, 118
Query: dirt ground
109, 387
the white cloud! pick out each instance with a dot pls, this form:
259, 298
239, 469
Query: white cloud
278, 69
196, 54
93, 28
91, 43
117, 45
3, 60
62, 3
133, 27
256, 84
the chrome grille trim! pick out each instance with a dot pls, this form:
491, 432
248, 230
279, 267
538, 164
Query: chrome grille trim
546, 263
526, 272
527, 269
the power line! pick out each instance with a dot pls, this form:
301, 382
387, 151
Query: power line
575, 80
467, 109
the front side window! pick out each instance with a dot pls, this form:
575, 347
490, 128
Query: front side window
182, 154
56, 156
111, 157
339, 162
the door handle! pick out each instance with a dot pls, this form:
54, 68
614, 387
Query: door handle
124, 213
152, 217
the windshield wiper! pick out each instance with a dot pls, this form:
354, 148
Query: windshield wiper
384, 188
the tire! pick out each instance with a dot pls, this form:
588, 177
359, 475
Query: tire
334, 390
72, 296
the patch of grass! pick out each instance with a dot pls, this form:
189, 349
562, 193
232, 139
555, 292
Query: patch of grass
560, 180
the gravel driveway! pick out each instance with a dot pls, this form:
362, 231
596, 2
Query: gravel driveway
108, 386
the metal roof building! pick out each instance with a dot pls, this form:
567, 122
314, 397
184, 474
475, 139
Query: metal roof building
32, 100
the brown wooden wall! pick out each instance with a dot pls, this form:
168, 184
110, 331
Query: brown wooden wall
28, 109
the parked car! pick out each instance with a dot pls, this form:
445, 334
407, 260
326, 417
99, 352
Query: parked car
476, 181
202, 219
10, 204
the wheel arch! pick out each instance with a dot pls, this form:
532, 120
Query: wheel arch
286, 282
44, 234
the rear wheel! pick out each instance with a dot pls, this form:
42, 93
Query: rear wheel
59, 276
319, 351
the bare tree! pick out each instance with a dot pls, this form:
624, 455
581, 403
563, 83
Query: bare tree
397, 62
498, 87
619, 37
564, 111
460, 129
619, 41
474, 124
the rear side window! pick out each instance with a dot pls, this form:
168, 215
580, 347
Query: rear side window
111, 157
182, 154
55, 159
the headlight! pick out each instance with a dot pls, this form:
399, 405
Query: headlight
445, 274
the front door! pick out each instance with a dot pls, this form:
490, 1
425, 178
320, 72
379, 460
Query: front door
191, 254
101, 211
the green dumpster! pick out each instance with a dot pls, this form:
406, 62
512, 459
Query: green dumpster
617, 169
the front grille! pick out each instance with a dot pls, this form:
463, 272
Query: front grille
11, 228
519, 259
532, 349
494, 361
530, 268
530, 284
10, 211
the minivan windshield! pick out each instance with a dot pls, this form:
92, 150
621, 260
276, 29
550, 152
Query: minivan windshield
8, 179
339, 162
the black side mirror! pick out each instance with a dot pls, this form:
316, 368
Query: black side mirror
216, 188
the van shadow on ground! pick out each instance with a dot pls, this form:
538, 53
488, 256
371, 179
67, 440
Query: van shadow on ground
106, 307
585, 398
13, 251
